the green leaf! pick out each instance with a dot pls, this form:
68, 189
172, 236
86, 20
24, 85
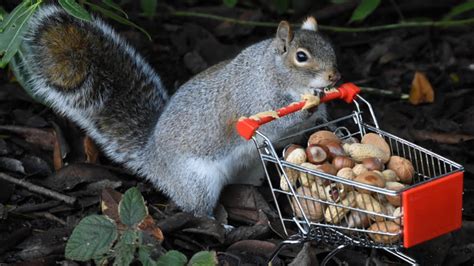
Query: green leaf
10, 18
12, 36
75, 10
149, 7
282, 5
172, 258
364, 9
459, 9
117, 18
338, 2
114, 6
203, 258
91, 239
3, 14
144, 255
125, 248
230, 3
132, 209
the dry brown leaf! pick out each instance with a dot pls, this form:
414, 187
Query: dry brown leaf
44, 138
148, 225
91, 151
109, 204
57, 157
421, 90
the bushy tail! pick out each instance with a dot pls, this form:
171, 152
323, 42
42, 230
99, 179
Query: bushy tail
85, 71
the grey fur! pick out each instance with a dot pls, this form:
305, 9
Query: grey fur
188, 148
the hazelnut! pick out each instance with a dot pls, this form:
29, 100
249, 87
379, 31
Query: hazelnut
359, 169
403, 168
373, 164
340, 162
322, 137
334, 149
369, 178
316, 154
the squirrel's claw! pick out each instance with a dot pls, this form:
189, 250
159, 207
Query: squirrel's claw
310, 101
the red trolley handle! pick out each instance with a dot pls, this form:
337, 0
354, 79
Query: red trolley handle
246, 127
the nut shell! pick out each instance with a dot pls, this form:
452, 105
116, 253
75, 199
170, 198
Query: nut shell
390, 176
359, 169
359, 152
327, 168
346, 173
294, 154
369, 178
316, 154
307, 179
403, 168
373, 164
378, 141
394, 200
334, 214
398, 212
313, 209
322, 137
387, 227
340, 162
369, 203
334, 149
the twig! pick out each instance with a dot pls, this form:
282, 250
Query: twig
40, 190
370, 90
412, 24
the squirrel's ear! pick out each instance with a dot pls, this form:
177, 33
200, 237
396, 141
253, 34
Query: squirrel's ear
284, 36
310, 24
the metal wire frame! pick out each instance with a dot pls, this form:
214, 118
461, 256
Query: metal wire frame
428, 166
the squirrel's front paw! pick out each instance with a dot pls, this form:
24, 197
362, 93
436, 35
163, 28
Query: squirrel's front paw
310, 101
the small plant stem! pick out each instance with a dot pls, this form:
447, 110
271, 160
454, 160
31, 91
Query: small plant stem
413, 24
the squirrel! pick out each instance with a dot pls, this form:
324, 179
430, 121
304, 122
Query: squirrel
186, 144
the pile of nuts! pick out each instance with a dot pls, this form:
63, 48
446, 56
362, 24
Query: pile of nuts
368, 162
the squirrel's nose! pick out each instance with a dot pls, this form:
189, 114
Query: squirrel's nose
334, 76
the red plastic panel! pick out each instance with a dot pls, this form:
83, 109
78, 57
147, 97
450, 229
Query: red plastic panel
432, 209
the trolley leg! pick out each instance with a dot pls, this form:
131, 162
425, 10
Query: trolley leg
332, 254
281, 246
402, 256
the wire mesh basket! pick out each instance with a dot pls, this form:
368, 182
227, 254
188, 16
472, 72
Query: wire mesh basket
339, 211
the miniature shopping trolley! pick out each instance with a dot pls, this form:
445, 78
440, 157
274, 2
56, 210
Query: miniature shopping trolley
429, 207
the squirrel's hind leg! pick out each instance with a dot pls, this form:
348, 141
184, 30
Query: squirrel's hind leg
196, 187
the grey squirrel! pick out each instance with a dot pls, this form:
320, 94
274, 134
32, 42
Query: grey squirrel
186, 145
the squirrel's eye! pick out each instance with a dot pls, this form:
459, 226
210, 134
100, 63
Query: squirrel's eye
301, 57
